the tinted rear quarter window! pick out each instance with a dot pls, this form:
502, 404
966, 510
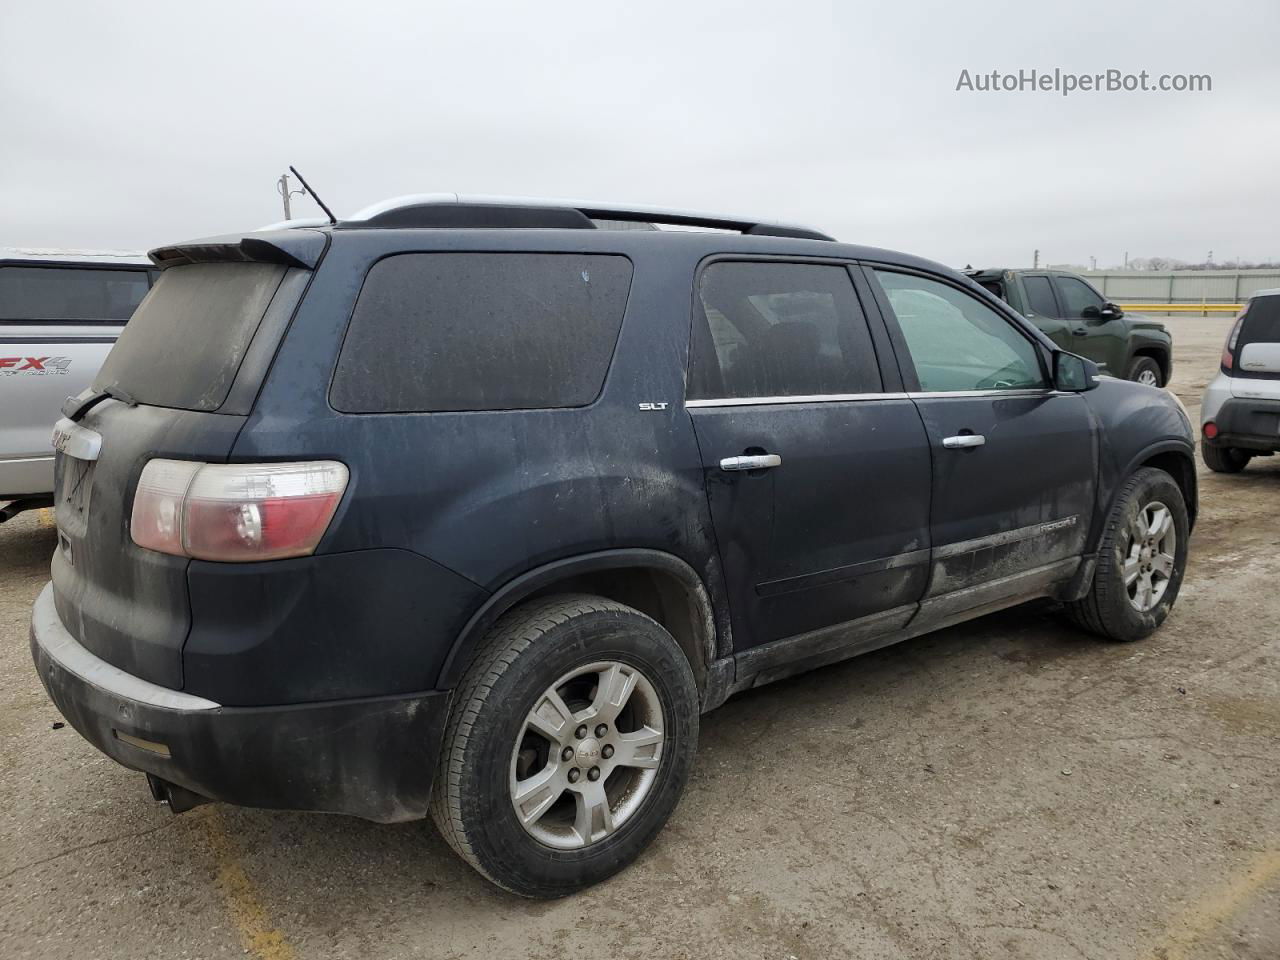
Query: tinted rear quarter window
185, 342
439, 332
70, 293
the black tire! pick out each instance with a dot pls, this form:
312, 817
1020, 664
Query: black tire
1140, 365
520, 659
1224, 459
1107, 609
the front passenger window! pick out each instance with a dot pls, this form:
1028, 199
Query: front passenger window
957, 342
1078, 297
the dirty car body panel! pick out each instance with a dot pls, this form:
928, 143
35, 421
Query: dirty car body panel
323, 681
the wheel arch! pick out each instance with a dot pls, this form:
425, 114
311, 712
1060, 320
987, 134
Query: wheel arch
1175, 458
1160, 355
657, 584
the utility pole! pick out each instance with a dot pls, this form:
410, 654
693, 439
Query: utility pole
282, 188
1126, 259
1093, 263
1035, 260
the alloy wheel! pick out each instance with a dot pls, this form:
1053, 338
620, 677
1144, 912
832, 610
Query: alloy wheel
587, 755
1150, 549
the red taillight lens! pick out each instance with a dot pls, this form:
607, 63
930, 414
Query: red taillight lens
1229, 350
1210, 430
236, 512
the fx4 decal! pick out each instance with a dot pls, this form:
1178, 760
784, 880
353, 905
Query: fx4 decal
37, 366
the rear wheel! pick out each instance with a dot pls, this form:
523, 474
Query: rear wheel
1146, 370
1141, 560
568, 746
1224, 459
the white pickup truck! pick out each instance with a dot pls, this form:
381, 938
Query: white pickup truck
60, 313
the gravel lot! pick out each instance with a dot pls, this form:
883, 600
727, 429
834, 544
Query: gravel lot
1008, 788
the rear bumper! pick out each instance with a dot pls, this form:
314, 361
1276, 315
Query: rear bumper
1247, 423
372, 758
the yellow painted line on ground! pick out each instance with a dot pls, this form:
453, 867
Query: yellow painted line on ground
46, 516
1217, 907
258, 936
1183, 307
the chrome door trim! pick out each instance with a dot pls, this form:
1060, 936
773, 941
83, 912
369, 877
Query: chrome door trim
858, 397
811, 398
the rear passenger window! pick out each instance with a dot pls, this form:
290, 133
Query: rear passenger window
779, 330
1040, 296
435, 332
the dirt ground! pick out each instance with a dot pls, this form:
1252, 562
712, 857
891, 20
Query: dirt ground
1008, 788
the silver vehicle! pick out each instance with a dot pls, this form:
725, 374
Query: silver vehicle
60, 313
1240, 411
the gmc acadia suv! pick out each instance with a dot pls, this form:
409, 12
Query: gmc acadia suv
470, 508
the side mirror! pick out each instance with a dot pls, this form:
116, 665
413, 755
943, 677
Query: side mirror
1110, 311
1072, 373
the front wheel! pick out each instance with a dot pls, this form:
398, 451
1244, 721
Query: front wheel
1146, 371
1224, 459
1141, 560
568, 745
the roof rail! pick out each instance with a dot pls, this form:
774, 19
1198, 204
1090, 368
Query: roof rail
482, 210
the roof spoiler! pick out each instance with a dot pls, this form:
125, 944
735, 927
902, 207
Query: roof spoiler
293, 248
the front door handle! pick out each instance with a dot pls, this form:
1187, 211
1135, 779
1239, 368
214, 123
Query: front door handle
964, 441
1081, 331
761, 461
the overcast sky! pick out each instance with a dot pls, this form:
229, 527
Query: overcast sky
128, 125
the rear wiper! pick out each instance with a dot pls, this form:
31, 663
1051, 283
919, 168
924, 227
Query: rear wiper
74, 408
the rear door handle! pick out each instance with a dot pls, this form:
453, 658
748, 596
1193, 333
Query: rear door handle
964, 441
762, 461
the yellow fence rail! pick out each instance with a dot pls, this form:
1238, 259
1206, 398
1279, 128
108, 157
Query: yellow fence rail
1203, 309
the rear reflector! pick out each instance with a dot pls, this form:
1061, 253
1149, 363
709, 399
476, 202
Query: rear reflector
1210, 429
235, 512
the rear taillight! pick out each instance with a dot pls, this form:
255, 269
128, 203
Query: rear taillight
1210, 430
235, 511
1229, 351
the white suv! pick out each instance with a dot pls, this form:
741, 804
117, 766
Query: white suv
1240, 412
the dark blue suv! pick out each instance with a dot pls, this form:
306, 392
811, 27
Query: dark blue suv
471, 507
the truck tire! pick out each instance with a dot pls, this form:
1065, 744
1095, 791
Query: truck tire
568, 744
1224, 459
1141, 560
1145, 370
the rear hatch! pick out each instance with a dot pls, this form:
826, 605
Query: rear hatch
179, 383
1255, 367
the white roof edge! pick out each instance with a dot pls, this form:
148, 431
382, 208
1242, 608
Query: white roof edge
657, 212
45, 254
1269, 292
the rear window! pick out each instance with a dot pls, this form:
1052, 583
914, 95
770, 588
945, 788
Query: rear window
70, 293
435, 332
1261, 322
185, 342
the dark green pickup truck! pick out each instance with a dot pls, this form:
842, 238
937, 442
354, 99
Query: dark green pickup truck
1079, 319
